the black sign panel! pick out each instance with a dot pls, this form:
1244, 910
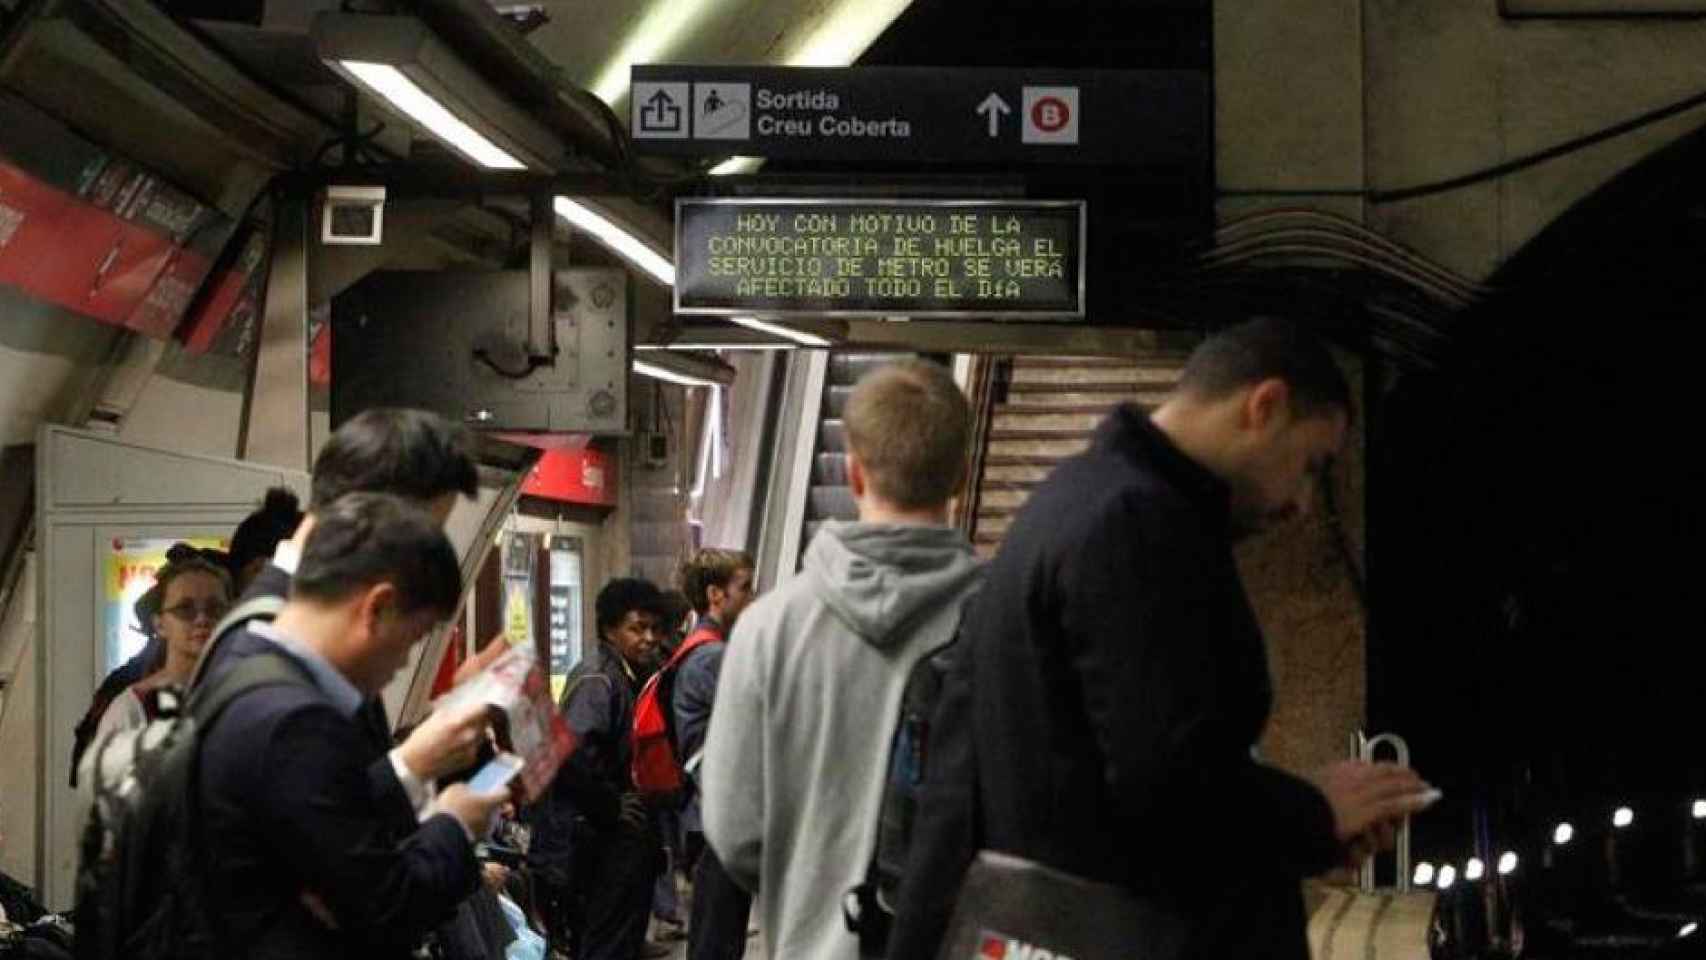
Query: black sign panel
912, 258
918, 115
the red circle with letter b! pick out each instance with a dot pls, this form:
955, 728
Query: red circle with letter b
1050, 114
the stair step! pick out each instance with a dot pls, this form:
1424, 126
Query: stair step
835, 400
830, 469
995, 526
831, 503
1082, 421
1019, 458
1045, 409
995, 474
1046, 397
997, 501
1162, 361
1126, 376
1075, 433
832, 437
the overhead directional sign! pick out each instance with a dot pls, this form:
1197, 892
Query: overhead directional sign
920, 115
885, 258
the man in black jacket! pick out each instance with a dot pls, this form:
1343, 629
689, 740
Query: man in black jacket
308, 863
595, 842
1117, 678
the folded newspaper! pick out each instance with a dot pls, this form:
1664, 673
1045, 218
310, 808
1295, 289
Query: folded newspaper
528, 724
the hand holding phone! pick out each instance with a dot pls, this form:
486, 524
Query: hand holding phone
497, 774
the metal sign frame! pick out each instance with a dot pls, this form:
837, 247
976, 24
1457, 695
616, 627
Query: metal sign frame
1080, 206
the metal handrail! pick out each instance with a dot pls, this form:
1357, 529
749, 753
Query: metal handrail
1364, 748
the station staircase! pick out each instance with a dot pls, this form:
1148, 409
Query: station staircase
1034, 412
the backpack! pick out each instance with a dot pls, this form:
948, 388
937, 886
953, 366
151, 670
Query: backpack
656, 769
869, 909
137, 892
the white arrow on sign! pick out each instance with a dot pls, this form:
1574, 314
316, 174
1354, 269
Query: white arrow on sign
994, 106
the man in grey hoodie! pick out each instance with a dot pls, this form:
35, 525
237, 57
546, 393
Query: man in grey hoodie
811, 683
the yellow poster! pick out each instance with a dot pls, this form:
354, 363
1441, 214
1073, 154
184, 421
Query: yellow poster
131, 563
518, 612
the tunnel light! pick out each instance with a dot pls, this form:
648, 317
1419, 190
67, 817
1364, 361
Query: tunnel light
691, 345
737, 165
798, 336
686, 369
1447, 876
1622, 818
1688, 930
664, 373
1700, 809
624, 244
1507, 863
392, 86
1474, 869
845, 32
842, 31
402, 63
1563, 834
1424, 874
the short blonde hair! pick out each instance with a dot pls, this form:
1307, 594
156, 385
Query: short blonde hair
909, 424
711, 567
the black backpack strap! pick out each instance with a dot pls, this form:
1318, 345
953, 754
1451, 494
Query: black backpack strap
269, 669
256, 608
862, 908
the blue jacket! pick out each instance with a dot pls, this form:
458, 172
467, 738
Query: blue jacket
692, 692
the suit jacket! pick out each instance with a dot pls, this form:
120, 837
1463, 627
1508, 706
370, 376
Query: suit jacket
375, 726
308, 861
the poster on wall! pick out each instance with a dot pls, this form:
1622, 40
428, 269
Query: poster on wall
128, 570
98, 234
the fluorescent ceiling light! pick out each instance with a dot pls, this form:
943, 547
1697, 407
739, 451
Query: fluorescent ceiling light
840, 36
734, 165
665, 23
400, 61
663, 373
689, 345
1475, 870
402, 93
844, 34
624, 244
798, 336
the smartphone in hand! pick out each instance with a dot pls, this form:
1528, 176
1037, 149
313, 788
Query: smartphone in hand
497, 774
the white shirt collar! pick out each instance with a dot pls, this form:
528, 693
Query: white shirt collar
286, 557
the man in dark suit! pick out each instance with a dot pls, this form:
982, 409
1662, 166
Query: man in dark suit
308, 864
426, 460
1118, 679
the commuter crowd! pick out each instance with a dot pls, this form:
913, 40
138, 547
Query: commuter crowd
821, 764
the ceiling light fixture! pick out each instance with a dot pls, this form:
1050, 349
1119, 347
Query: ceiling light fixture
405, 66
798, 336
623, 243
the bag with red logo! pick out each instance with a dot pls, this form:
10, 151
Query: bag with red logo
656, 767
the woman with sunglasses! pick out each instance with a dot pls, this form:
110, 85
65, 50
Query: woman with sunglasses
194, 594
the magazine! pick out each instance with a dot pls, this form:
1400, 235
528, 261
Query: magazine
527, 723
